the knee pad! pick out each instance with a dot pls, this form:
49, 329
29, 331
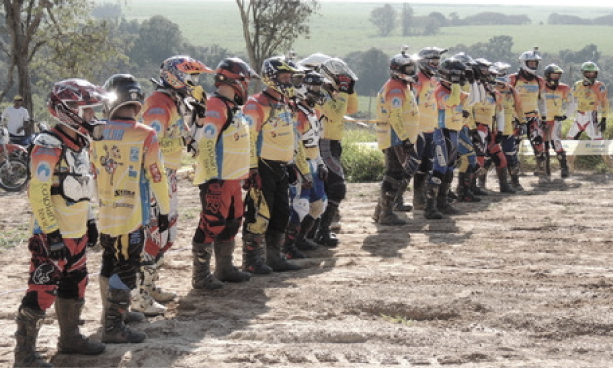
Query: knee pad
301, 207
230, 230
317, 208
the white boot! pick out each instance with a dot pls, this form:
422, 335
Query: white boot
141, 297
156, 292
144, 303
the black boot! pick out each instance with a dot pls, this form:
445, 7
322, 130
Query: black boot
274, 258
324, 235
224, 266
115, 330
419, 197
464, 192
561, 156
302, 241
28, 325
547, 163
431, 212
68, 312
386, 214
128, 316
541, 169
202, 278
514, 173
478, 190
289, 247
503, 181
442, 200
254, 254
399, 204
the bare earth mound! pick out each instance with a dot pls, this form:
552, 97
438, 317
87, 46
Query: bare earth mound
514, 281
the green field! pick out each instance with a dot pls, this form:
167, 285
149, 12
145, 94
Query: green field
340, 28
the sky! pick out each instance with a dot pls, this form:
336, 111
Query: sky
553, 3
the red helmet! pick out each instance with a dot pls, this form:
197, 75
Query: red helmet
69, 99
236, 73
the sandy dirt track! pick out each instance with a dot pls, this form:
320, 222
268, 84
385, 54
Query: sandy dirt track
514, 281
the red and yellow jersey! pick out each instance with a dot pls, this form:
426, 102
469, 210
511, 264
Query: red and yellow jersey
333, 113
272, 130
592, 98
557, 101
56, 205
309, 129
128, 163
424, 95
162, 114
486, 110
223, 143
450, 103
397, 114
529, 93
511, 104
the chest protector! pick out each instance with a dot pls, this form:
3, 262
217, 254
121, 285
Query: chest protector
75, 183
310, 138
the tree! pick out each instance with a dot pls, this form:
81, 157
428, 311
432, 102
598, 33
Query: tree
273, 25
30, 26
372, 67
406, 19
384, 18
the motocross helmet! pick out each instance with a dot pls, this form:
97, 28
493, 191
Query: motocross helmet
452, 70
181, 73
313, 83
123, 89
337, 72
403, 67
528, 57
236, 73
553, 69
68, 101
589, 66
428, 59
271, 69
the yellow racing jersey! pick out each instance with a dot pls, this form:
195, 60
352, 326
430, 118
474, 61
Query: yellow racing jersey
592, 98
61, 184
511, 104
449, 102
164, 115
485, 111
558, 101
397, 114
424, 95
272, 130
529, 92
333, 112
223, 143
128, 164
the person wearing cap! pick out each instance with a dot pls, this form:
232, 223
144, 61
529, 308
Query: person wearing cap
16, 118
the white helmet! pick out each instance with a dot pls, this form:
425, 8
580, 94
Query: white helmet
336, 70
525, 58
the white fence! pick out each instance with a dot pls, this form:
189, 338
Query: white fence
572, 148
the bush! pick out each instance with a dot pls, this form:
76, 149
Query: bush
361, 163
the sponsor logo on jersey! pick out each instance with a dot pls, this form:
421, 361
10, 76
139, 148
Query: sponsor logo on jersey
210, 131
43, 173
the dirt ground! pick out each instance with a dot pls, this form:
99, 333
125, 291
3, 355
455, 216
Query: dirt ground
514, 281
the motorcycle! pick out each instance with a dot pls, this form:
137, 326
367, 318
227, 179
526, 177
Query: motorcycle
14, 173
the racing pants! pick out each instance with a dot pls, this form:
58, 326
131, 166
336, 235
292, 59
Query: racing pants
222, 211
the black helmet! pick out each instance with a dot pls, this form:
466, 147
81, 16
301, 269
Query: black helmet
123, 90
452, 70
403, 67
428, 59
553, 69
